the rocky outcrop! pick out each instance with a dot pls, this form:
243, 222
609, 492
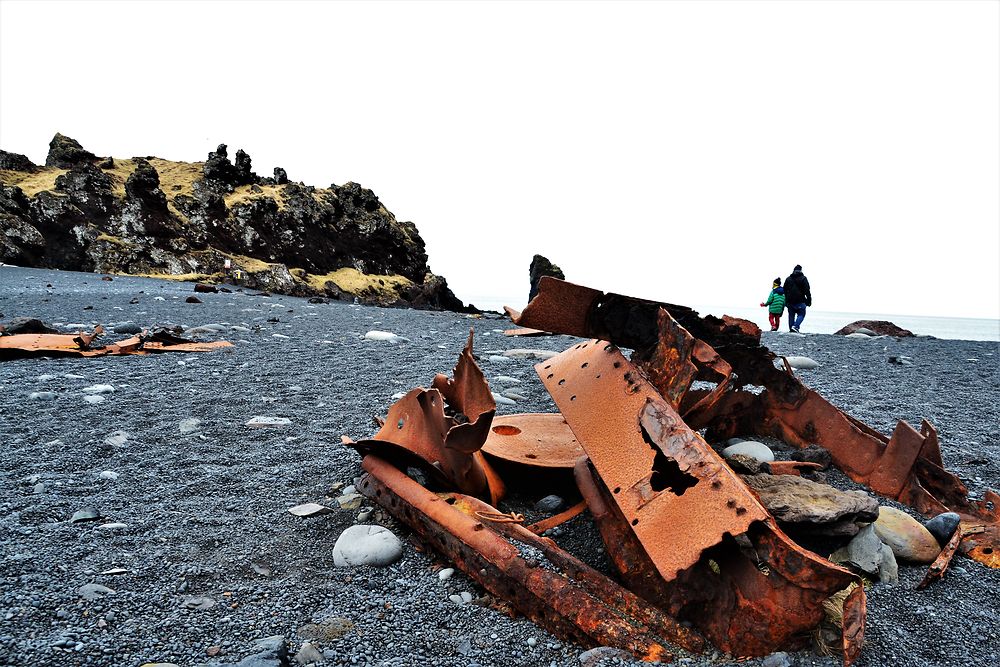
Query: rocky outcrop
151, 216
878, 327
16, 161
540, 266
66, 153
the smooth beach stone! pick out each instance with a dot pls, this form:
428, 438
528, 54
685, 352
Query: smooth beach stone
42, 395
93, 399
268, 422
550, 504
387, 336
864, 551
98, 389
751, 448
906, 536
446, 573
858, 334
802, 363
943, 526
127, 328
86, 514
863, 330
506, 379
366, 545
888, 569
108, 474
503, 400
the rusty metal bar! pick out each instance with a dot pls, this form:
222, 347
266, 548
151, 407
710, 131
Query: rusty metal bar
580, 605
540, 527
940, 565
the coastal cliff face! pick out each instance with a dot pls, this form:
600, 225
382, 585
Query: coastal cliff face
148, 216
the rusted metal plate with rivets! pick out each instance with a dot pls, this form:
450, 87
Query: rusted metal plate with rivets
671, 486
542, 440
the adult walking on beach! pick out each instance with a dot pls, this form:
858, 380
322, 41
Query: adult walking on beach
797, 297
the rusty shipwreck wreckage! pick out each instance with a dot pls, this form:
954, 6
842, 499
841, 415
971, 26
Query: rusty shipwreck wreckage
699, 558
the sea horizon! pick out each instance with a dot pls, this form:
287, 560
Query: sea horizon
822, 321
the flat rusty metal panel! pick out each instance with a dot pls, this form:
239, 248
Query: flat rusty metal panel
542, 440
895, 465
612, 409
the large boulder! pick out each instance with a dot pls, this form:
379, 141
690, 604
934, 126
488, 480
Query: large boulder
540, 266
812, 508
878, 327
143, 187
906, 536
66, 153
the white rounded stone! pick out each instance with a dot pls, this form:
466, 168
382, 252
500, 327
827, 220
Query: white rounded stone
751, 448
366, 545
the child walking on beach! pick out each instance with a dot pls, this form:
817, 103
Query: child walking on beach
775, 304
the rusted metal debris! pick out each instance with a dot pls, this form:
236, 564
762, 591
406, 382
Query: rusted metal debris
562, 594
539, 440
82, 344
907, 467
444, 428
689, 539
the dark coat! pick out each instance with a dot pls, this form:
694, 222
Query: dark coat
797, 289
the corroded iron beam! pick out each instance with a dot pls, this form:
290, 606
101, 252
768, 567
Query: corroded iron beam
544, 583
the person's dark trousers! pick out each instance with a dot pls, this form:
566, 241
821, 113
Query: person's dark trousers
796, 313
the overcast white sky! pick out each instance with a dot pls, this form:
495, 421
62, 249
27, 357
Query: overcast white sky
687, 152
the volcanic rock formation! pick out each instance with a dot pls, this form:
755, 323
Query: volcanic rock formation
150, 216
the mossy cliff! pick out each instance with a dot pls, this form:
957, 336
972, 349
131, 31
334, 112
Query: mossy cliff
148, 216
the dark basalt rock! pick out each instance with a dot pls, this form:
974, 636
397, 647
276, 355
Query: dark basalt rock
540, 266
16, 162
89, 189
67, 153
27, 325
880, 327
244, 172
85, 222
813, 454
219, 168
943, 526
143, 187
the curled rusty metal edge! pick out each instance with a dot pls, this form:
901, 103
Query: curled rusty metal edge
417, 429
582, 606
853, 624
793, 413
940, 565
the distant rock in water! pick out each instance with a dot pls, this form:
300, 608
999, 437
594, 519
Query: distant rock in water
879, 327
212, 221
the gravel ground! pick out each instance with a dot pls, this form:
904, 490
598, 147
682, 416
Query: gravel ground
205, 510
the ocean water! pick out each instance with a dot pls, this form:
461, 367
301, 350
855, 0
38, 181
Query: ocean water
819, 321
